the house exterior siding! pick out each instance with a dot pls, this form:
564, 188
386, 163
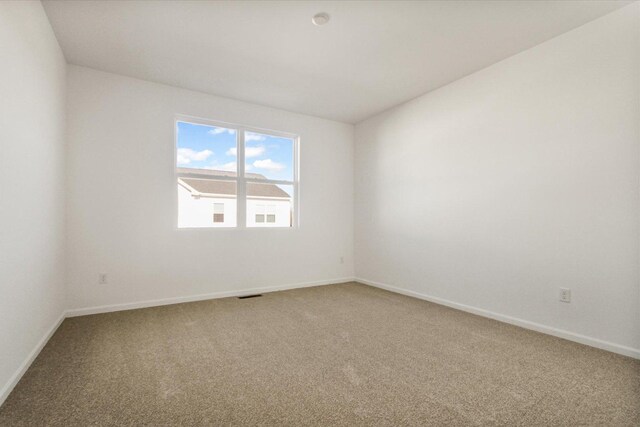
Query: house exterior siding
197, 212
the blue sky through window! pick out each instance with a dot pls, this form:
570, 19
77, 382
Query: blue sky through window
214, 148
268, 155
206, 147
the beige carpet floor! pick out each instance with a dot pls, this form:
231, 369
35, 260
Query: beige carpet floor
345, 354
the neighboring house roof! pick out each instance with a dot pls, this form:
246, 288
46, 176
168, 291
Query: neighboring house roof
214, 173
211, 187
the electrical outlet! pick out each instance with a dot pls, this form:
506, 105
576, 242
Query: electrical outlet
565, 295
102, 278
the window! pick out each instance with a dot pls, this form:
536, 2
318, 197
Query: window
259, 213
271, 214
265, 214
234, 176
218, 212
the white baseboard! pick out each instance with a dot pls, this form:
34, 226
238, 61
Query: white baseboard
571, 336
582, 339
15, 378
201, 297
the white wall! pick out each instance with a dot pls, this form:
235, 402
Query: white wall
32, 201
502, 187
122, 200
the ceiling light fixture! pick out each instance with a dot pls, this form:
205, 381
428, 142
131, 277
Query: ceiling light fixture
320, 19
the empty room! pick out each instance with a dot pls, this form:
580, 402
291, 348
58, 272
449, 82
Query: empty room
320, 213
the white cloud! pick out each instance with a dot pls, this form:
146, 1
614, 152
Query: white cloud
254, 151
231, 166
187, 155
217, 131
268, 164
250, 136
248, 151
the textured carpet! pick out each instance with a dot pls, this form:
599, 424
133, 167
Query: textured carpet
344, 354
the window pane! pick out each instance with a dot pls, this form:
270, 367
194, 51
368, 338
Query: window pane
218, 212
269, 157
206, 203
269, 205
206, 148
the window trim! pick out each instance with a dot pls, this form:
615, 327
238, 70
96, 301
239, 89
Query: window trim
240, 180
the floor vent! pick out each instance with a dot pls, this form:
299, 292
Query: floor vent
250, 296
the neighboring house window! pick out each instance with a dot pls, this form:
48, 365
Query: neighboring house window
218, 212
271, 214
249, 176
265, 214
260, 213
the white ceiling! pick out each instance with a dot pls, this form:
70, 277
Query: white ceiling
369, 57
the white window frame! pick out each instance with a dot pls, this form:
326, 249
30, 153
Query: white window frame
241, 180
